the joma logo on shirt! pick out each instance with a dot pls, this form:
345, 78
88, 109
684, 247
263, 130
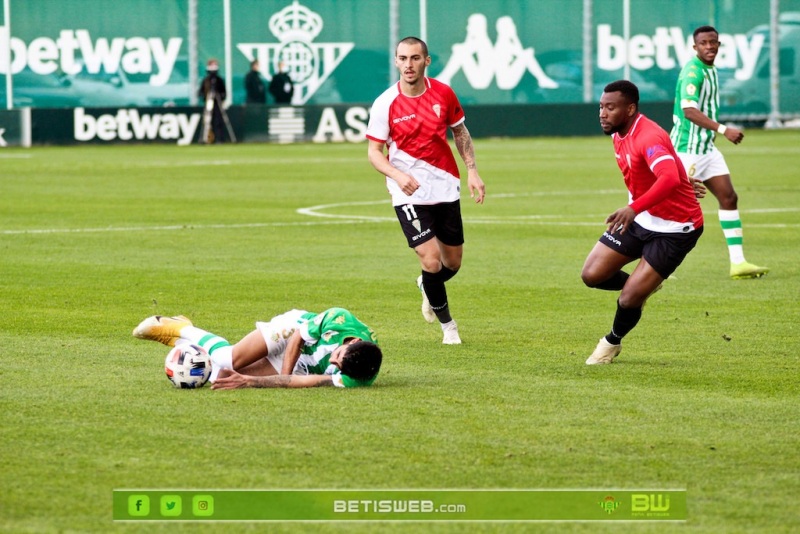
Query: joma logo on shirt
406, 118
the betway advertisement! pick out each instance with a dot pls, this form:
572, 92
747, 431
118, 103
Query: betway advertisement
82, 54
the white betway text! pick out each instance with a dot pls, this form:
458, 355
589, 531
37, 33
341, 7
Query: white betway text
128, 124
134, 55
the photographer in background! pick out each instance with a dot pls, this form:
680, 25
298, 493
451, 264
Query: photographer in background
212, 92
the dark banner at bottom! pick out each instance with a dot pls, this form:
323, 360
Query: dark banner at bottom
338, 123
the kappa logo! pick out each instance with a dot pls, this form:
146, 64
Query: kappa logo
505, 60
309, 64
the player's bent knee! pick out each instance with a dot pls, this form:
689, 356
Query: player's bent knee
589, 278
729, 201
592, 276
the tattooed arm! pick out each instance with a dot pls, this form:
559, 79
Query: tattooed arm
466, 149
234, 380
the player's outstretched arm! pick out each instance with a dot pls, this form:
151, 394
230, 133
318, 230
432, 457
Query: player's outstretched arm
234, 380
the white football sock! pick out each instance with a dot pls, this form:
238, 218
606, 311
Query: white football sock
732, 228
221, 358
218, 348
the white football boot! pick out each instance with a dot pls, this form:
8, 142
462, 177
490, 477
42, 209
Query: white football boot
604, 353
451, 336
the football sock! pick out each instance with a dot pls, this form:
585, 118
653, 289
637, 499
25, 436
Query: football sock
624, 321
218, 348
192, 334
433, 283
446, 274
732, 229
615, 283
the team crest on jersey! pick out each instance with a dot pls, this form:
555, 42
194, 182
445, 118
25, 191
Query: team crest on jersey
416, 224
437, 109
327, 336
691, 89
309, 64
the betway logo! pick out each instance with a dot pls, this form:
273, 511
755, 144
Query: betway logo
645, 51
127, 124
134, 55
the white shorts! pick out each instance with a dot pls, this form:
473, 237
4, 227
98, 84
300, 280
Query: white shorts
277, 333
704, 166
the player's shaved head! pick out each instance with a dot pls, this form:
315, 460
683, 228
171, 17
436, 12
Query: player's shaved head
411, 40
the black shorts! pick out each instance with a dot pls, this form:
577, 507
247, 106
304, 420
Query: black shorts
423, 222
663, 251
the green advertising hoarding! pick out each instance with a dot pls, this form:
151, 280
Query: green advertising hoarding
71, 53
15, 128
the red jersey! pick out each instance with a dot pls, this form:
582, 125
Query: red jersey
660, 191
415, 131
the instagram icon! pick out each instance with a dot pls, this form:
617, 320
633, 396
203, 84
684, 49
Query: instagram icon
202, 505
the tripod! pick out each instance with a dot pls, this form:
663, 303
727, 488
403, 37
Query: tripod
213, 99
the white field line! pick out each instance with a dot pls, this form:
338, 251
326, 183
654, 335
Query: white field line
318, 212
171, 227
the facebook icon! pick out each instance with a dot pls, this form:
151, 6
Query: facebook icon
138, 505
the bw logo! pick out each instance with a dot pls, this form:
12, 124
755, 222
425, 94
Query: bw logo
653, 502
309, 64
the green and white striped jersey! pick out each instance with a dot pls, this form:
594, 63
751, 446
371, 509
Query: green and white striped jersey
698, 87
323, 333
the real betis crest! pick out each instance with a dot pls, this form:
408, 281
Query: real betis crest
308, 64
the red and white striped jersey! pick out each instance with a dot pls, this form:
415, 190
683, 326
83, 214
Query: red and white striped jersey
415, 131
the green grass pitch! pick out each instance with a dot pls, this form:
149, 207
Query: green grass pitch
93, 239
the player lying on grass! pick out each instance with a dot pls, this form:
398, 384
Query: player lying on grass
297, 349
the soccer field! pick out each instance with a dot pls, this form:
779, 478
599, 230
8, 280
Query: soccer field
704, 396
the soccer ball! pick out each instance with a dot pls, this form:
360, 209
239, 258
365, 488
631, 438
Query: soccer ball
188, 366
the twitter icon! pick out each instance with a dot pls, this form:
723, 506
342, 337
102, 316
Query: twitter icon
171, 505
